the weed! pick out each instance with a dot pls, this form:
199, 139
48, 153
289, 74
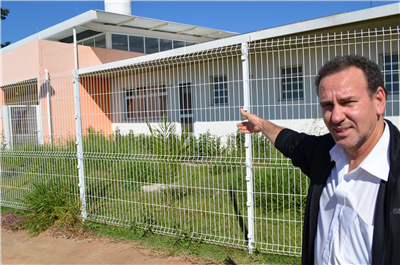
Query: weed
71, 231
49, 203
13, 221
90, 226
188, 241
141, 233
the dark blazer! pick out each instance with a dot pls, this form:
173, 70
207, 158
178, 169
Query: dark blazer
311, 154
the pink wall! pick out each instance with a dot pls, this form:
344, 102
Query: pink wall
21, 63
91, 56
59, 57
30, 61
96, 105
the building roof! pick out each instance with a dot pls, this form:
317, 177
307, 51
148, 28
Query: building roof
320, 24
103, 21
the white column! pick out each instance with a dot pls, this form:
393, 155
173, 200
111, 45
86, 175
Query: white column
79, 143
249, 166
48, 106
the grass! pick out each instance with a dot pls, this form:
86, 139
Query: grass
51, 203
207, 197
184, 245
181, 244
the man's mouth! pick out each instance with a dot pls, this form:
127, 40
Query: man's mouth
341, 130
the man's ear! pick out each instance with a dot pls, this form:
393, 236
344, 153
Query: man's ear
380, 101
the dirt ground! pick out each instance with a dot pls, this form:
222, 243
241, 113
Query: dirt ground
20, 248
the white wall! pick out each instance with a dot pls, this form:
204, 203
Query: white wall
265, 82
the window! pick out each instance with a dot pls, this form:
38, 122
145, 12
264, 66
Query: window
178, 44
146, 102
220, 90
151, 45
100, 41
88, 42
390, 70
165, 45
140, 44
120, 42
136, 44
292, 83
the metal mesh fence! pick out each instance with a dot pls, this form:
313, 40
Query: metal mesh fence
282, 74
159, 142
149, 159
36, 145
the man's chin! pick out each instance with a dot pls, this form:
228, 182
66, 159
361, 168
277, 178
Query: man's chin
345, 144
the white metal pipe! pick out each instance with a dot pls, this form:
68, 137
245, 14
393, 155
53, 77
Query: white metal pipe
79, 139
48, 106
249, 166
79, 143
75, 48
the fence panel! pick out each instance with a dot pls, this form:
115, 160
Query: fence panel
282, 73
158, 147
29, 153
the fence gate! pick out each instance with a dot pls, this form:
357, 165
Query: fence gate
22, 125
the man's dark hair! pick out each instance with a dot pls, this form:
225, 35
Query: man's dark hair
371, 71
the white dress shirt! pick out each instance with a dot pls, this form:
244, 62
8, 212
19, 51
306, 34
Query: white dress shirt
347, 207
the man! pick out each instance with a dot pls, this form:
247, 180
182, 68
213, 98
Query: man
353, 203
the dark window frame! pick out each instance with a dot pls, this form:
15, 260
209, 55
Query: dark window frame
292, 84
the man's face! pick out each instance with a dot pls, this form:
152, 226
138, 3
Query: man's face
349, 112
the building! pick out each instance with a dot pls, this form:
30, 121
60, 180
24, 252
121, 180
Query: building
133, 70
101, 37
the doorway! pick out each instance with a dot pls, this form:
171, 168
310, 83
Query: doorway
22, 125
186, 109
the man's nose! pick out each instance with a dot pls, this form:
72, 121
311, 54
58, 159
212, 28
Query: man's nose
338, 114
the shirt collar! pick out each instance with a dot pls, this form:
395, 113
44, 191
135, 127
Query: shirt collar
376, 163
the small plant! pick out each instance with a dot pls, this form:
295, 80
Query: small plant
13, 221
69, 231
49, 203
186, 240
168, 146
141, 233
208, 145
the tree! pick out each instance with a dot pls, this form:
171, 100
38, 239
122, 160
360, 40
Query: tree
4, 14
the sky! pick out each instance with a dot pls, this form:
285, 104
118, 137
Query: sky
29, 17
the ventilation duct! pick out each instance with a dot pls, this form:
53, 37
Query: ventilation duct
118, 6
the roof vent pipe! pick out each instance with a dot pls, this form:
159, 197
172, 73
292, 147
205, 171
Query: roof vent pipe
118, 6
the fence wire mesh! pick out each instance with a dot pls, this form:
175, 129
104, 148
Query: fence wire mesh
160, 146
28, 152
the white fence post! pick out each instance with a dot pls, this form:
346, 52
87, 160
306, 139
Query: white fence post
247, 144
48, 106
79, 143
7, 127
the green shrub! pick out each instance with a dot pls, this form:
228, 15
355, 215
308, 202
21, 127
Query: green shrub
49, 203
279, 189
208, 145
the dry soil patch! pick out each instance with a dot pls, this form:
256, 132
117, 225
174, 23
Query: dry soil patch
20, 248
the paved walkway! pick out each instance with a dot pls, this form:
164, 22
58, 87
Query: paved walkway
20, 248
